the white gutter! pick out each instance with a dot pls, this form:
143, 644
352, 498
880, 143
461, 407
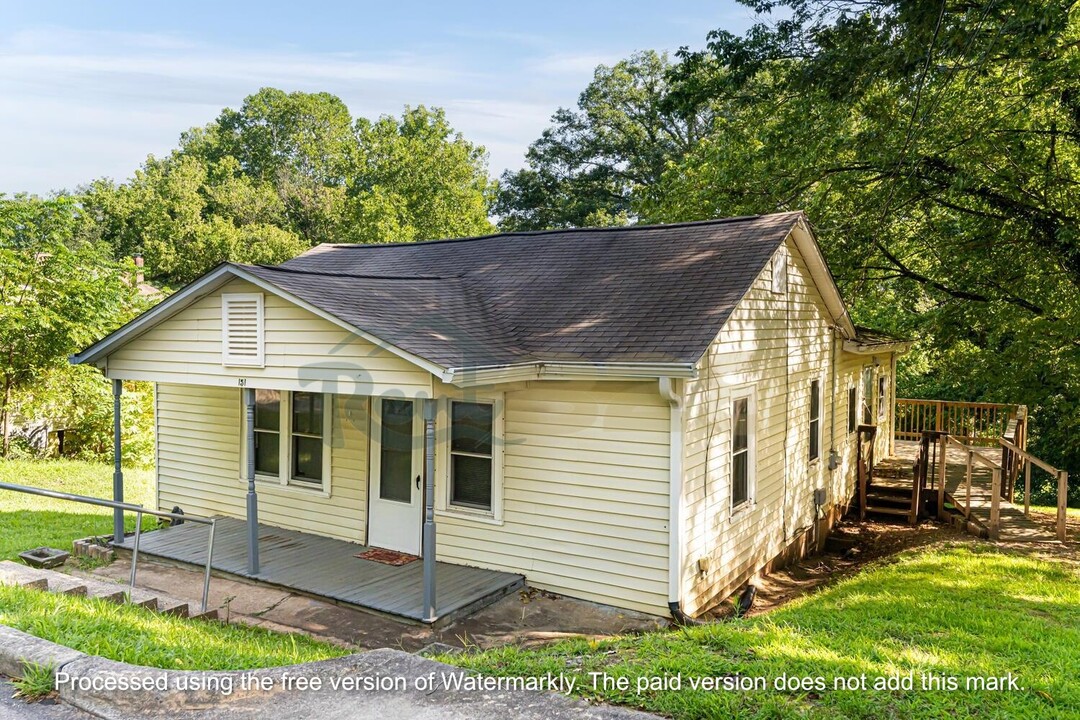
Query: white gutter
670, 393
489, 374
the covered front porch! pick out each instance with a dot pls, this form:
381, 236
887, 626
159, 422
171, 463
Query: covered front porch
328, 568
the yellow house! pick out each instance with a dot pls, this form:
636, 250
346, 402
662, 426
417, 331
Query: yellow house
644, 417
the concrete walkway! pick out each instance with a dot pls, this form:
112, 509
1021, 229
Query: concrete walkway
385, 684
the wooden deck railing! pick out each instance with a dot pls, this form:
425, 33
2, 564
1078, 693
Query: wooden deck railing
974, 423
1026, 460
973, 457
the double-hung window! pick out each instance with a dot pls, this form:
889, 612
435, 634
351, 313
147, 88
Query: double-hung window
291, 438
742, 449
472, 454
815, 419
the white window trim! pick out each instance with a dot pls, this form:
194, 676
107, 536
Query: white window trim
881, 390
443, 506
820, 419
282, 481
228, 360
749, 392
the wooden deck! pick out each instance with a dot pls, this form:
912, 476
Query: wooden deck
327, 568
1015, 526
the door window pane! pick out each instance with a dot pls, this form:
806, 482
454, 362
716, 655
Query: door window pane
471, 432
395, 451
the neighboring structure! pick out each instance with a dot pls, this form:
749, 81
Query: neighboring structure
642, 416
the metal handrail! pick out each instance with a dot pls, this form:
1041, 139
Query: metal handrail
139, 511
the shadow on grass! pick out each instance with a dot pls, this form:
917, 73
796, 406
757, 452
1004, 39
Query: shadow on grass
936, 613
27, 529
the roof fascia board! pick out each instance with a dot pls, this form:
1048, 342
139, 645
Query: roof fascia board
467, 377
212, 281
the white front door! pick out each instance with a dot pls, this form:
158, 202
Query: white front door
395, 489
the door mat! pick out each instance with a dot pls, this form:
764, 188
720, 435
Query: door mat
387, 557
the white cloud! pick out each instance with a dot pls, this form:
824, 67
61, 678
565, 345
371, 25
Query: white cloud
80, 105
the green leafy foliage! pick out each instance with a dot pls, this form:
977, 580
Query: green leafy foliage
59, 291
935, 146
288, 171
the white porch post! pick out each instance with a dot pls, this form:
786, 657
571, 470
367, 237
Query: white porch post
118, 473
429, 510
252, 498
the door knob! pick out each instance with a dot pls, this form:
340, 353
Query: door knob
417, 482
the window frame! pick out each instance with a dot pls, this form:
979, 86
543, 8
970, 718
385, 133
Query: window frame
444, 504
749, 394
284, 478
814, 434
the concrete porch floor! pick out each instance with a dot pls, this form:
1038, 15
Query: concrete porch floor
328, 568
525, 617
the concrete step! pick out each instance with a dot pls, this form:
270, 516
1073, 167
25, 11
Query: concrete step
12, 573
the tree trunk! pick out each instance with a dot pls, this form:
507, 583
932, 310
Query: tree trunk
4, 417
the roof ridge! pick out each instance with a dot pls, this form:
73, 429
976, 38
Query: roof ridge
354, 276
558, 231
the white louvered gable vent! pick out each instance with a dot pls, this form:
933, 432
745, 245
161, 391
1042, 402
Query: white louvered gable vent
242, 329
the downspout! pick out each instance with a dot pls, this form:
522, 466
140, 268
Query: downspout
669, 392
428, 536
834, 458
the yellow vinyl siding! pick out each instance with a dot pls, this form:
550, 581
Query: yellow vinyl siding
302, 352
198, 447
778, 344
585, 494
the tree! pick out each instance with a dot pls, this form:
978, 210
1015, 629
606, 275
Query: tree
417, 179
936, 146
595, 164
57, 293
286, 172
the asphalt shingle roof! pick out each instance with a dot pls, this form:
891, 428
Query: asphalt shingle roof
656, 293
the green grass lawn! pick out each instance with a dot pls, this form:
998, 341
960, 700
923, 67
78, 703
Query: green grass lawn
29, 521
1052, 510
957, 612
135, 635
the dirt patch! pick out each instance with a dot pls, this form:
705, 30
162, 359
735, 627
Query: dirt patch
854, 545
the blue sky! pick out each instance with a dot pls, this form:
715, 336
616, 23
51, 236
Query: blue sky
89, 89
